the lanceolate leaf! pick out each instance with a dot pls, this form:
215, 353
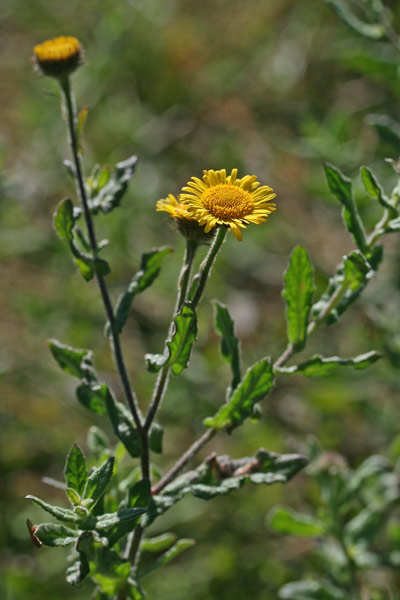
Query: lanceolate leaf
62, 514
75, 361
75, 470
341, 187
139, 497
123, 426
158, 543
374, 189
319, 365
53, 535
180, 346
64, 219
288, 521
183, 338
139, 494
169, 555
350, 279
230, 347
93, 397
311, 590
255, 386
109, 196
150, 266
108, 520
222, 475
98, 481
298, 293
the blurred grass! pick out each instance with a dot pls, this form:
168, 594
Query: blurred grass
271, 88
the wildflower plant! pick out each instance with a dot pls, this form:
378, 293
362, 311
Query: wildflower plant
111, 508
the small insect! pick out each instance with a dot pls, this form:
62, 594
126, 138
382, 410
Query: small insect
32, 529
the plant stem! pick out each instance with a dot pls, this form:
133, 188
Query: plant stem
133, 546
199, 283
200, 280
81, 191
184, 459
163, 376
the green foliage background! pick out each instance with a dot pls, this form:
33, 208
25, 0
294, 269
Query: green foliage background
273, 88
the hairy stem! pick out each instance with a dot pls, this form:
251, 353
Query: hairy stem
163, 376
200, 280
184, 459
81, 191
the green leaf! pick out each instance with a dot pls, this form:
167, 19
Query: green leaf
53, 535
73, 496
311, 590
374, 189
180, 345
64, 219
285, 520
109, 196
374, 31
150, 266
366, 524
230, 346
108, 520
77, 572
178, 548
62, 514
298, 294
341, 187
82, 117
93, 397
372, 467
75, 470
255, 386
139, 494
156, 438
319, 365
123, 426
183, 338
158, 543
350, 279
75, 361
388, 128
98, 481
393, 226
98, 441
219, 476
138, 497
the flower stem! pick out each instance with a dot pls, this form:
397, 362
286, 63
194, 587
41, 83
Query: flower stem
163, 376
200, 280
81, 191
184, 459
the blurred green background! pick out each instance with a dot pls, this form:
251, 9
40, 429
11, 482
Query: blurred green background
275, 89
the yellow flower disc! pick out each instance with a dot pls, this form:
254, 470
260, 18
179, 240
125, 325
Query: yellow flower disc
219, 199
58, 57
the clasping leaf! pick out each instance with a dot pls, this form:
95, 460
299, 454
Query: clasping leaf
255, 386
298, 294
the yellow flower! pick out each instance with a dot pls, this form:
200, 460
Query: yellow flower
219, 199
174, 208
58, 57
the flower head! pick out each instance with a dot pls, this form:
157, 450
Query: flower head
187, 224
175, 209
58, 57
219, 199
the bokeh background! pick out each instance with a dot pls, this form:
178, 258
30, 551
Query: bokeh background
275, 89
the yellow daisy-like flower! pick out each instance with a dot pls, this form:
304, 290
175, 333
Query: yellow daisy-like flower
58, 57
219, 199
175, 209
